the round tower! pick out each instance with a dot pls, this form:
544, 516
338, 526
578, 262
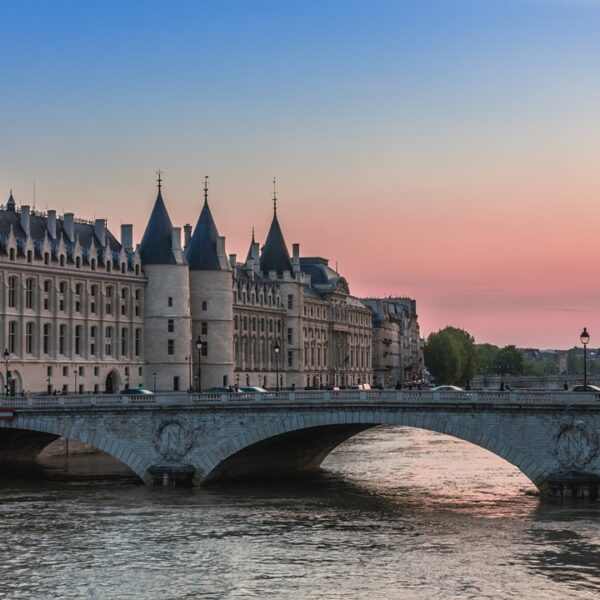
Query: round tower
211, 303
167, 331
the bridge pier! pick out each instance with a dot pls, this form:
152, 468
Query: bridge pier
574, 485
172, 474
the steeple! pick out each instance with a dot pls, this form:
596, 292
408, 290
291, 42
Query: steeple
201, 252
10, 204
275, 255
156, 246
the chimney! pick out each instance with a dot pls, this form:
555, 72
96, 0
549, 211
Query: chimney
176, 238
233, 260
100, 231
25, 219
51, 224
68, 226
187, 235
127, 237
221, 254
296, 258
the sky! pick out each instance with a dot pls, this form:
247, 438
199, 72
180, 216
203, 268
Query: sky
446, 150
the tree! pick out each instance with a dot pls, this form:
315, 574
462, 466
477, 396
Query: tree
509, 361
486, 358
450, 356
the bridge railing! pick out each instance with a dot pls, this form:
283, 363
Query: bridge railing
310, 397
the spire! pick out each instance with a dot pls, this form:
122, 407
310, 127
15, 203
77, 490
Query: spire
201, 252
159, 180
156, 246
10, 204
275, 255
253, 240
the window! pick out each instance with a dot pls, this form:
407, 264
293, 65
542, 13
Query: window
108, 341
29, 285
289, 335
12, 337
205, 349
94, 340
96, 371
290, 301
49, 371
62, 260
81, 371
170, 346
12, 291
176, 383
29, 338
62, 339
124, 345
138, 341
62, 287
171, 325
204, 305
235, 322
65, 371
170, 301
93, 264
46, 258
203, 328
46, 340
11, 254
290, 358
78, 339
78, 262
140, 371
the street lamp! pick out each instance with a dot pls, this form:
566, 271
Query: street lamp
276, 350
585, 340
199, 345
154, 382
189, 360
6, 356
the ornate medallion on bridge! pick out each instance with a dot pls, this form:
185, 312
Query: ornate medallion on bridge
576, 445
173, 439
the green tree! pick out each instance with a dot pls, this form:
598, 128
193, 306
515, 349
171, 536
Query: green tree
450, 356
509, 361
486, 358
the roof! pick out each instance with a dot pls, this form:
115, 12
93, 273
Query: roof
156, 246
275, 255
319, 270
201, 252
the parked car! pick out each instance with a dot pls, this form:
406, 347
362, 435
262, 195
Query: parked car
136, 392
252, 389
586, 388
220, 390
447, 388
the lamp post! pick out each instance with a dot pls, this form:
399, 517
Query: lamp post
585, 340
199, 345
49, 385
6, 356
154, 382
189, 360
276, 350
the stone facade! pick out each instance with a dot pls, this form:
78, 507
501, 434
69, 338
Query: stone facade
82, 312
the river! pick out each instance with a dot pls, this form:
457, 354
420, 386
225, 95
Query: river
396, 513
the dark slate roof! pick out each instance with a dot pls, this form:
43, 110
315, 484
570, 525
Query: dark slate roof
10, 203
201, 252
156, 246
319, 270
275, 255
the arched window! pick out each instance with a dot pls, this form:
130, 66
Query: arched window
29, 333
29, 287
47, 339
12, 291
12, 337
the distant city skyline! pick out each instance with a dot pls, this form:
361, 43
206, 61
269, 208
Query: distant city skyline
446, 151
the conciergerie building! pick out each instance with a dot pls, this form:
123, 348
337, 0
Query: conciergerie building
84, 312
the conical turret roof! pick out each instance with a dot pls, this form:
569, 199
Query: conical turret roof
156, 246
201, 252
275, 255
10, 203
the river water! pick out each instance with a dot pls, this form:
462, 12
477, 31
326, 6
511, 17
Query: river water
396, 513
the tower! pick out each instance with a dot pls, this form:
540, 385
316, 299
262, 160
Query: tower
167, 301
211, 302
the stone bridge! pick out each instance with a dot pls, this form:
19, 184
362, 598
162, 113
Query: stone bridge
553, 438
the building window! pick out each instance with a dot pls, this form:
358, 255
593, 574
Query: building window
290, 357
78, 262
176, 383
124, 336
12, 291
204, 305
78, 339
108, 341
81, 371
170, 325
289, 335
138, 341
96, 371
65, 371
170, 346
93, 264
29, 285
93, 336
205, 349
29, 338
46, 341
62, 339
11, 254
170, 301
46, 258
290, 301
203, 328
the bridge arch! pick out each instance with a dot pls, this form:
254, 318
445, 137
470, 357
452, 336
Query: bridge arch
319, 434
106, 443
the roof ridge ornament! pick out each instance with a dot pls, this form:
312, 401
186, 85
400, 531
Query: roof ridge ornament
274, 195
206, 189
159, 179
